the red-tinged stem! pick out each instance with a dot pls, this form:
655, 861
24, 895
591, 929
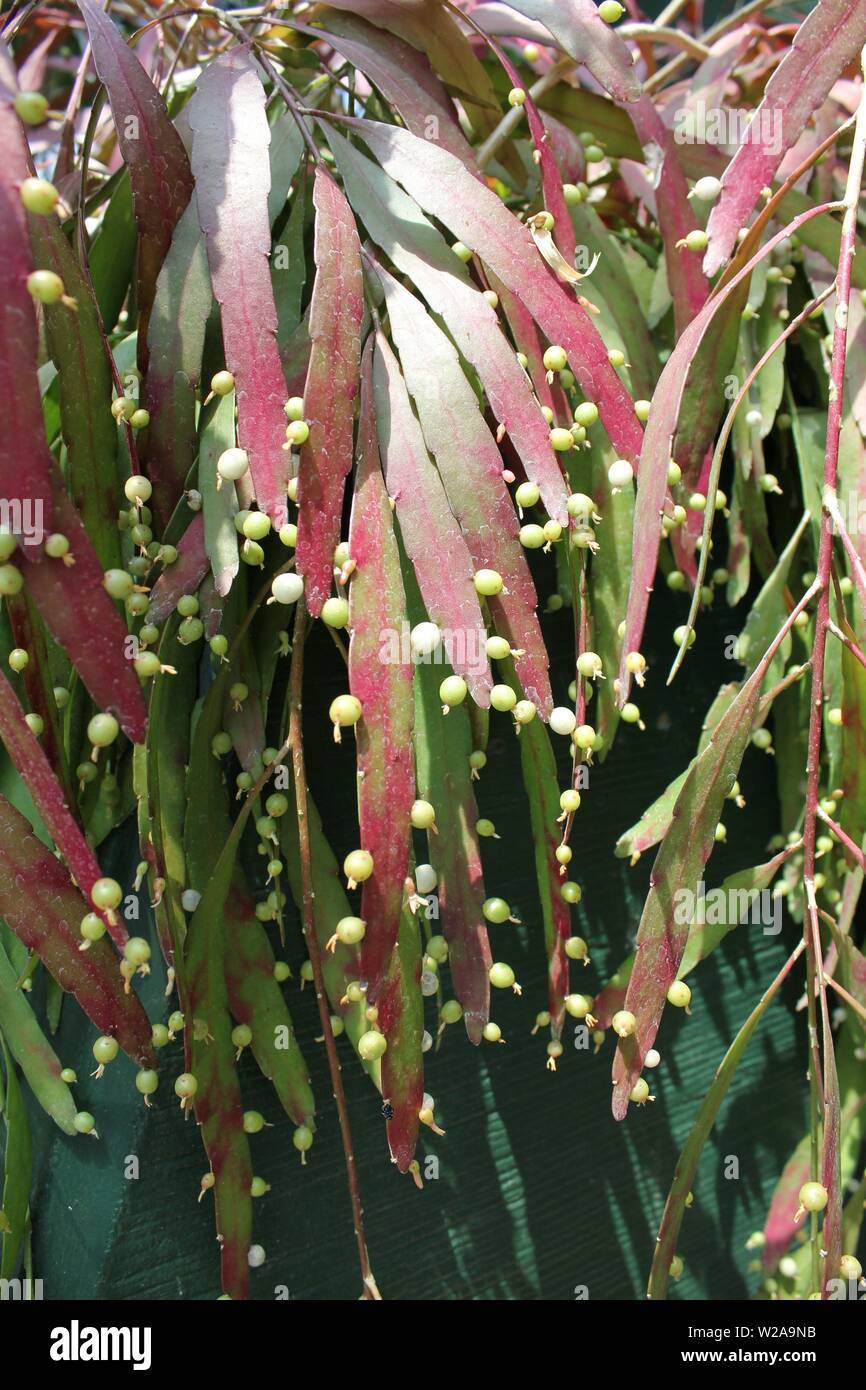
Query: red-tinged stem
811, 929
295, 742
847, 642
581, 635
831, 501
845, 839
514, 115
716, 466
843, 994
65, 152
285, 91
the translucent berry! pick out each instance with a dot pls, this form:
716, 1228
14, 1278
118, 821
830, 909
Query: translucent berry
488, 583
422, 815
45, 287
371, 1046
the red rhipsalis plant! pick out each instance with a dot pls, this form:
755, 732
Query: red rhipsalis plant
331, 337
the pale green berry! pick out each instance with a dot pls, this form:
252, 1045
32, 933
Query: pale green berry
488, 583
232, 464
186, 1086
624, 1023
11, 581
555, 359
256, 526
298, 432
503, 698
813, 1196
586, 414
288, 534
84, 1122
137, 951
496, 910
350, 930
69, 1076
146, 1082
570, 801
32, 107
451, 1011
562, 721
561, 440
345, 710
105, 1050
453, 691
92, 927
106, 894
461, 252
527, 494
19, 659
610, 11
497, 648
524, 712
620, 474
675, 473
501, 975
516, 97
694, 241
422, 815
572, 194
222, 383
358, 865
45, 287
532, 537
679, 994
485, 828
371, 1046
335, 612
578, 1005
303, 1139
640, 1092
616, 358
576, 948
102, 730
287, 588
39, 197
684, 636
707, 189
56, 546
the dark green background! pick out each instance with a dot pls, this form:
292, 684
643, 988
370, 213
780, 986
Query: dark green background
539, 1190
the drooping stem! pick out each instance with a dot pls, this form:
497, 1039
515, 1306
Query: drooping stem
815, 975
370, 1291
513, 116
